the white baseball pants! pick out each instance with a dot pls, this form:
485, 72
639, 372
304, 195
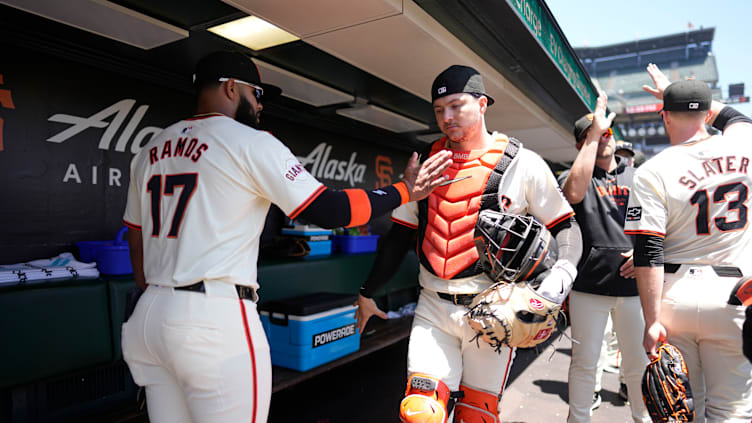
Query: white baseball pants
203, 357
589, 314
440, 346
708, 332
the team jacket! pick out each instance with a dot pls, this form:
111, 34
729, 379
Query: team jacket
601, 217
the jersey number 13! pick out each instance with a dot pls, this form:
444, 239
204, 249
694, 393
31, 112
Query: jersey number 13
700, 199
187, 182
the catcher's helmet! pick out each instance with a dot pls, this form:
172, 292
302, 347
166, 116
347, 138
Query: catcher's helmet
513, 248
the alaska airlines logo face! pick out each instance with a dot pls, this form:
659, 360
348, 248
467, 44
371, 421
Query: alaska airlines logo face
6, 102
119, 112
338, 170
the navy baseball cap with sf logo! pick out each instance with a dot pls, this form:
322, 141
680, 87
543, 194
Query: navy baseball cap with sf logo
458, 79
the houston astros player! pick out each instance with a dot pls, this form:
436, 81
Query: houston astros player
198, 196
440, 356
689, 210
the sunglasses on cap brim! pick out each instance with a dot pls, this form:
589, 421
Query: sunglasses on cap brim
258, 92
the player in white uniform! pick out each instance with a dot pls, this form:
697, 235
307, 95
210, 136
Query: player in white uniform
439, 348
197, 200
689, 209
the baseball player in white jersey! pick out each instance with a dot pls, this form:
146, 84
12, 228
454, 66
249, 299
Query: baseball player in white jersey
197, 200
489, 170
689, 210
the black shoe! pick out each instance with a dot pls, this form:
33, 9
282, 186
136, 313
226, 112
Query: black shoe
623, 392
596, 401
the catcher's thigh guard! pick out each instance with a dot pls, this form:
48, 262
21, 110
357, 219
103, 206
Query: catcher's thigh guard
476, 407
425, 400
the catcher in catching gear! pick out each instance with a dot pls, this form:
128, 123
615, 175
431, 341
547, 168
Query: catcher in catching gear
665, 387
516, 252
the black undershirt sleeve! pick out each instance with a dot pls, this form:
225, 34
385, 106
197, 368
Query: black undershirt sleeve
332, 209
648, 251
389, 257
729, 116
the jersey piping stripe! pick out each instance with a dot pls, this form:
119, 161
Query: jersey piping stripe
403, 223
402, 189
307, 202
131, 225
360, 207
506, 372
204, 116
642, 232
559, 220
253, 360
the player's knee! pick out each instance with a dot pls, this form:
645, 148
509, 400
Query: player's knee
425, 400
476, 406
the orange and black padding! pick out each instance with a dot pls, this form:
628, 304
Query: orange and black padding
425, 401
476, 406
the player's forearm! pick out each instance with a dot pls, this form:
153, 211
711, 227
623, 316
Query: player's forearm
353, 207
723, 117
389, 257
136, 251
650, 287
578, 180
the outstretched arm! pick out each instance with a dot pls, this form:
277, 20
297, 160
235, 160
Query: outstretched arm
355, 207
579, 177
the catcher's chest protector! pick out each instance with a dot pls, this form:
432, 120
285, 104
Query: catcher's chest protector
447, 217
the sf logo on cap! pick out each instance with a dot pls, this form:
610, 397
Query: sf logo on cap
694, 106
441, 90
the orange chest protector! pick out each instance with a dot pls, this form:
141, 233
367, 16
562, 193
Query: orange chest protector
447, 217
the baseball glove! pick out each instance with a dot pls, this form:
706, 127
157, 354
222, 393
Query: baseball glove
665, 387
512, 314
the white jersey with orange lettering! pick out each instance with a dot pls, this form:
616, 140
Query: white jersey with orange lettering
696, 195
199, 193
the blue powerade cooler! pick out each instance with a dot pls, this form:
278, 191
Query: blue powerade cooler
307, 331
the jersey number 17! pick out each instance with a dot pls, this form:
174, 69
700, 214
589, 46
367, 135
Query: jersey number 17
156, 188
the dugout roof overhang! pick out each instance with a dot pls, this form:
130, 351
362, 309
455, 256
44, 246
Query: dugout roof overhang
383, 53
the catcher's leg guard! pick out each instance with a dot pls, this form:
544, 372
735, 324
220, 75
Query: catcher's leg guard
425, 400
476, 407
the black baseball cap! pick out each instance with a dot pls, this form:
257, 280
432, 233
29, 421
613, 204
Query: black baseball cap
687, 96
458, 79
582, 124
231, 64
626, 146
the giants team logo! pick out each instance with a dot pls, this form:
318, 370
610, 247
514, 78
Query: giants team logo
6, 102
384, 171
536, 304
634, 214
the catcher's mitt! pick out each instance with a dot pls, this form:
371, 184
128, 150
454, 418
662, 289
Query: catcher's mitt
665, 387
512, 314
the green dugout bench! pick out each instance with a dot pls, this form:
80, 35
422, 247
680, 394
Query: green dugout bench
59, 330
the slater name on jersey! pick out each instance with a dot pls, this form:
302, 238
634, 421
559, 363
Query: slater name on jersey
714, 166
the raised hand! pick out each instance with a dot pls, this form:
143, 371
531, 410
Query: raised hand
660, 80
422, 179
